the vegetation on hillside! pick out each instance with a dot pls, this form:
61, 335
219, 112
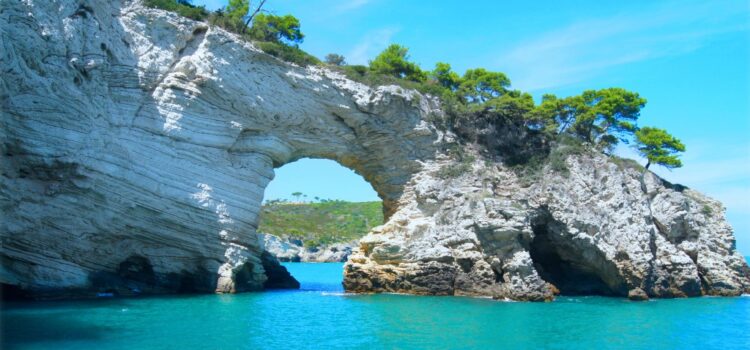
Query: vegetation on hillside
335, 59
480, 107
181, 7
278, 36
325, 222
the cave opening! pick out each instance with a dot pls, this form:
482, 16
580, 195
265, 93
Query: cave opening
315, 211
566, 267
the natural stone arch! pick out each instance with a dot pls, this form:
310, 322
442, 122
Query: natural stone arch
372, 143
161, 134
136, 146
361, 141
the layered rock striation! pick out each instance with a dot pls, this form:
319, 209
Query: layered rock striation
598, 227
295, 251
136, 146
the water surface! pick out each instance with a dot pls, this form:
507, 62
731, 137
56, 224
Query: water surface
321, 316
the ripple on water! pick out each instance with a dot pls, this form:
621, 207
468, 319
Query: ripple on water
311, 318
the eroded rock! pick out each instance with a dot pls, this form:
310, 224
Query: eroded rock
132, 132
136, 146
291, 251
599, 228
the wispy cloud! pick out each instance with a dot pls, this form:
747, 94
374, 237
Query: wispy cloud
721, 171
372, 43
583, 49
349, 5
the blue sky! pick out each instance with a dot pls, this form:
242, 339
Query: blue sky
319, 178
690, 59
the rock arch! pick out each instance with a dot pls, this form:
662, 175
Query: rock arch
132, 132
160, 134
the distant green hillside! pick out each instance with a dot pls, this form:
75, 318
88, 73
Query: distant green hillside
320, 223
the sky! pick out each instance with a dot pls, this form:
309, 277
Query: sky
690, 59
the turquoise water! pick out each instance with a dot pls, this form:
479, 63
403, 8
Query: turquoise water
320, 316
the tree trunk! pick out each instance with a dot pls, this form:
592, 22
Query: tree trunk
250, 19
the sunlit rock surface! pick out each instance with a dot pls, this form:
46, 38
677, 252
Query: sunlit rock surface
598, 228
296, 251
136, 146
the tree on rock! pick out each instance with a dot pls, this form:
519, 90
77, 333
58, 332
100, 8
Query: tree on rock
555, 114
276, 29
480, 85
335, 59
394, 61
659, 147
237, 9
602, 118
445, 76
297, 195
608, 116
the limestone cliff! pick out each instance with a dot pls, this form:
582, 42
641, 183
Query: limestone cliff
597, 228
136, 146
294, 251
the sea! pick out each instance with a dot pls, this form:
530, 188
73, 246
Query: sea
321, 316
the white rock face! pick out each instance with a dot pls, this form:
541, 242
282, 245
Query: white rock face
285, 250
598, 229
136, 146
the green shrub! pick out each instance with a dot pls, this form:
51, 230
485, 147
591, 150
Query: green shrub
276, 29
626, 163
462, 165
453, 170
311, 243
565, 146
394, 62
288, 53
480, 85
228, 23
329, 221
335, 59
478, 107
659, 147
354, 72
364, 75
269, 27
183, 8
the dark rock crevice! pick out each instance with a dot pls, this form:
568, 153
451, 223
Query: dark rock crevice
572, 269
135, 276
10, 292
278, 276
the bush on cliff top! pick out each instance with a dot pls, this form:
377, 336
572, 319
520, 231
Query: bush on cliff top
181, 7
288, 53
479, 107
277, 36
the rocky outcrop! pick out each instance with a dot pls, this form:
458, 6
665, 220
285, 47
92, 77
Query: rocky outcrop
295, 250
595, 228
277, 276
136, 146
